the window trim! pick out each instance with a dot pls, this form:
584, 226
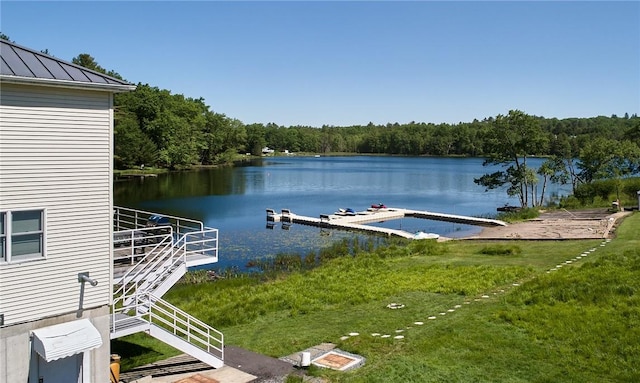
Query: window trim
8, 234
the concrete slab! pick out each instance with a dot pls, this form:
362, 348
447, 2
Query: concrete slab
327, 356
340, 360
241, 366
224, 374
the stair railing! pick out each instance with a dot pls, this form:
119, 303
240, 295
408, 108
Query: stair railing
160, 251
185, 326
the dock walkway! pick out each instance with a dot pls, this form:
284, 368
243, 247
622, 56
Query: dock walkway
359, 220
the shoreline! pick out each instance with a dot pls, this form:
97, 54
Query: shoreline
557, 225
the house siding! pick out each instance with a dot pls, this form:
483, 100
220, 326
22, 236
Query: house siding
55, 154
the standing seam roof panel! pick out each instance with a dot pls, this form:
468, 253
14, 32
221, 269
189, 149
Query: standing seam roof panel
4, 67
95, 78
24, 62
55, 68
36, 67
75, 73
14, 63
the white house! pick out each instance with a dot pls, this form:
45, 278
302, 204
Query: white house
56, 129
61, 298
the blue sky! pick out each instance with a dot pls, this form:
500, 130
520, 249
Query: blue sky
320, 63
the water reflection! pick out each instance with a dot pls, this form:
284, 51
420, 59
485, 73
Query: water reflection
234, 199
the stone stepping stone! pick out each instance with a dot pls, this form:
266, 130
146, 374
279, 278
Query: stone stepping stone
398, 337
418, 323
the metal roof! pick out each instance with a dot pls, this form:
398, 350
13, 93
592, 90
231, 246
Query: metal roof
17, 62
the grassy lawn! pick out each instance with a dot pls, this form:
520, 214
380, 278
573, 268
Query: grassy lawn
513, 319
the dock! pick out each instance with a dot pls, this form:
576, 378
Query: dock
358, 221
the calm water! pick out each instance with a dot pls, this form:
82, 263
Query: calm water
234, 199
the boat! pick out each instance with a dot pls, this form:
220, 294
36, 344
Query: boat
346, 211
423, 235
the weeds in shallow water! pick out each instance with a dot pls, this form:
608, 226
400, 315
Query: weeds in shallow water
282, 262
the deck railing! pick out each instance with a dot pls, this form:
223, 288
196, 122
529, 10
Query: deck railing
143, 275
134, 244
158, 258
125, 218
133, 233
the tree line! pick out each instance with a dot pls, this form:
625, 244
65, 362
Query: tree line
154, 127
158, 128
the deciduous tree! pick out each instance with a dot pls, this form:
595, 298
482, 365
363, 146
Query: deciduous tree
510, 140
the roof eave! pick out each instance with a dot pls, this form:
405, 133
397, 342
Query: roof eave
113, 88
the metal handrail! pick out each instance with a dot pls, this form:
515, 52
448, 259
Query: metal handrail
169, 254
154, 310
163, 255
135, 295
137, 241
185, 326
127, 218
201, 242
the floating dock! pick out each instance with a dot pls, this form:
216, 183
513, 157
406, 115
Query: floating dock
358, 221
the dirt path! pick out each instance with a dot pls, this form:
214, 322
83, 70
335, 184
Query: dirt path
559, 224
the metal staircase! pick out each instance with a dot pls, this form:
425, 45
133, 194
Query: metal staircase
137, 297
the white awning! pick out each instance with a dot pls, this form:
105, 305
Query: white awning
66, 339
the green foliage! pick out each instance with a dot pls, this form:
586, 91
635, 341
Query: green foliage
591, 314
294, 379
608, 159
140, 349
602, 193
519, 215
509, 142
177, 131
427, 247
501, 250
577, 324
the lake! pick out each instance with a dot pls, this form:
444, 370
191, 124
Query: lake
234, 199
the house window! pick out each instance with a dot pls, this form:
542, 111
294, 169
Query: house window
21, 235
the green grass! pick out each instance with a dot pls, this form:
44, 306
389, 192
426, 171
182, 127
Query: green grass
577, 324
140, 349
138, 172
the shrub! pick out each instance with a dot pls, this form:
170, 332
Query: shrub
427, 247
501, 250
520, 215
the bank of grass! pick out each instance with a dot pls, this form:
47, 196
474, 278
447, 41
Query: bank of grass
578, 324
138, 172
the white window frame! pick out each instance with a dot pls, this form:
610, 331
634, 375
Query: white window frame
7, 215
